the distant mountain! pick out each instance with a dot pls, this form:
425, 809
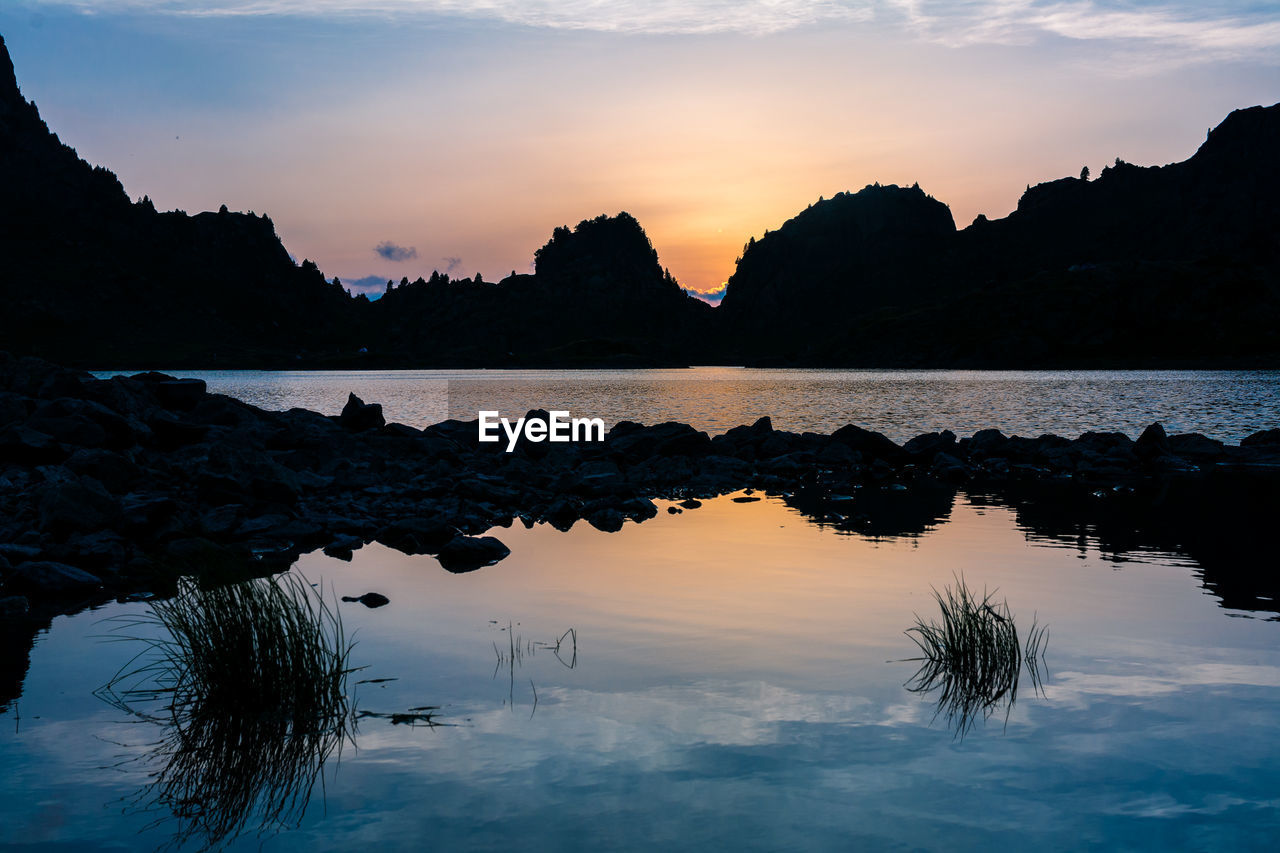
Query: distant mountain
597, 296
1176, 265
1160, 266
92, 278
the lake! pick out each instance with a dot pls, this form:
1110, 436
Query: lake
1226, 405
731, 677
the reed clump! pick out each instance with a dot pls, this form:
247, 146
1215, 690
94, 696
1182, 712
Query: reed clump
973, 657
249, 682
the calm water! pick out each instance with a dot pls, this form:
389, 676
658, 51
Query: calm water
732, 686
1227, 405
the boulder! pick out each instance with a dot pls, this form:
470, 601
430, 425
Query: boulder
468, 553
870, 444
27, 446
1263, 438
358, 416
46, 578
1152, 443
180, 394
416, 535
75, 505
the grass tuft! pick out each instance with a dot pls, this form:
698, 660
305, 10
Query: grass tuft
249, 681
973, 658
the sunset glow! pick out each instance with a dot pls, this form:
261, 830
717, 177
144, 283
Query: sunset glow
464, 134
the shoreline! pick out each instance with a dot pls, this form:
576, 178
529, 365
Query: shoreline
113, 487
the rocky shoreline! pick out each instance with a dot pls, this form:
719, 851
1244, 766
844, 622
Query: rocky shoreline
116, 487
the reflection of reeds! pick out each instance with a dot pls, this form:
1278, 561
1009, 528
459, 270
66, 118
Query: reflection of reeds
249, 681
973, 656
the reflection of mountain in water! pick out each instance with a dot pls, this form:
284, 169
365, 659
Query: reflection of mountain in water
1217, 521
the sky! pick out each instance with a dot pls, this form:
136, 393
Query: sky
388, 138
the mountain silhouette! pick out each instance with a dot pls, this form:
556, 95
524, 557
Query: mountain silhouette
1175, 265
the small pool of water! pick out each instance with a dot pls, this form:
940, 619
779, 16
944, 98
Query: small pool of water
727, 678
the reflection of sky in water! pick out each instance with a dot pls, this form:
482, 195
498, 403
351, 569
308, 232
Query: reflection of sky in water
732, 690
1227, 405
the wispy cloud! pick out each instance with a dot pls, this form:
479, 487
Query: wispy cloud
1222, 30
711, 296
393, 252
452, 264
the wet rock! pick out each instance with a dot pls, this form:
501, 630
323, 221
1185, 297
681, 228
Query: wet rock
45, 578
986, 443
746, 499
369, 599
691, 503
358, 416
468, 553
674, 510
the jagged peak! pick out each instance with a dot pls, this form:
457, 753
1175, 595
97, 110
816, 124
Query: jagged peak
8, 77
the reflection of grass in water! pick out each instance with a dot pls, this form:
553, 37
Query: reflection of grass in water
249, 681
973, 656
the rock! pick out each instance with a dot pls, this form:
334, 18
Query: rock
358, 416
986, 443
1152, 443
416, 535
14, 605
1193, 445
169, 431
114, 471
50, 579
369, 599
27, 446
674, 510
180, 394
870, 444
745, 499
691, 503
468, 553
1262, 438
78, 505
929, 444
607, 520
343, 548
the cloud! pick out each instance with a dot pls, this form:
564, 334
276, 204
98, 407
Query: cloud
1169, 31
371, 286
392, 252
711, 297
451, 264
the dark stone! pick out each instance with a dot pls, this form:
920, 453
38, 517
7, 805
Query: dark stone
343, 547
27, 446
180, 394
114, 471
13, 606
1152, 443
76, 505
674, 510
416, 535
169, 431
871, 444
607, 520
931, 443
1262, 438
1193, 445
987, 443
369, 599
691, 503
357, 415
468, 553
47, 578
745, 499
